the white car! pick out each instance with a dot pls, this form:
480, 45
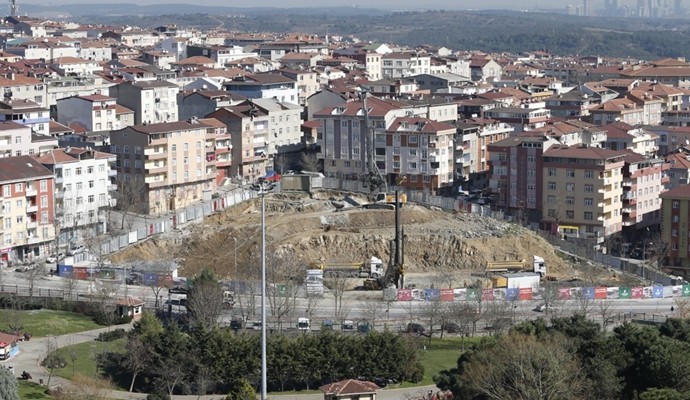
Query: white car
76, 250
53, 258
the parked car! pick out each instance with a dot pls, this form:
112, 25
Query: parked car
76, 249
413, 327
53, 258
236, 324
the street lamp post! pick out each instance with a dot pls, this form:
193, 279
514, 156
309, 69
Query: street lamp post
262, 187
235, 254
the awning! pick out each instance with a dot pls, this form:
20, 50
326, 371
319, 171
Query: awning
576, 228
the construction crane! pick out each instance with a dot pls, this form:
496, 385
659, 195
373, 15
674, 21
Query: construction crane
14, 8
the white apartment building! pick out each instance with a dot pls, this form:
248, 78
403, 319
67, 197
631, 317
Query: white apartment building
83, 189
400, 65
20, 87
153, 102
373, 66
95, 112
17, 140
284, 124
74, 66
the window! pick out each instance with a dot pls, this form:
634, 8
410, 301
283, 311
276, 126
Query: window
19, 203
91, 198
77, 171
589, 216
125, 149
44, 217
174, 147
413, 152
570, 214
137, 149
412, 139
675, 219
551, 212
44, 185
589, 188
18, 187
551, 199
412, 165
185, 146
589, 202
552, 185
396, 151
552, 171
570, 200
570, 173
570, 186
44, 201
675, 204
674, 232
6, 191
396, 164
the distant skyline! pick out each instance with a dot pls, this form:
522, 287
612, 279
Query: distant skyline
384, 4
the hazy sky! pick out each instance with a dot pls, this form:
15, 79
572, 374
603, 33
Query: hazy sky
387, 4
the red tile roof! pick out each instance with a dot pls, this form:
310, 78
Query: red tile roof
582, 152
21, 168
681, 192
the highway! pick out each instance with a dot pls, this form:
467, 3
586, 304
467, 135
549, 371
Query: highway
357, 305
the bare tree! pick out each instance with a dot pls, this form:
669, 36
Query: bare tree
446, 277
32, 275
310, 162
659, 251
279, 163
465, 316
286, 276
498, 315
69, 284
552, 300
130, 200
72, 354
372, 311
52, 359
15, 316
205, 299
337, 284
435, 315
138, 358
605, 311
583, 304
312, 305
682, 307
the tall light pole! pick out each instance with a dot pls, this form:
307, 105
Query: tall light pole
235, 254
262, 187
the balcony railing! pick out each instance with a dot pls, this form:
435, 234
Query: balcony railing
31, 208
30, 192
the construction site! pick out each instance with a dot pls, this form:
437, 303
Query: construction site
441, 249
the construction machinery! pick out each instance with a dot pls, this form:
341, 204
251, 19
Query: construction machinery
537, 265
368, 269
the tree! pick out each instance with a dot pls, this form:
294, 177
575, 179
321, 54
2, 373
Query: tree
498, 315
372, 311
434, 313
522, 367
243, 390
32, 275
605, 311
285, 276
205, 299
53, 358
138, 358
279, 163
337, 284
69, 284
659, 251
9, 390
130, 200
310, 162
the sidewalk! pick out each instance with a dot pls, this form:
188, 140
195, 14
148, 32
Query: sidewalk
32, 352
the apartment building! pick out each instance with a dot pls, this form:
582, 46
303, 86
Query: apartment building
60, 87
679, 168
637, 108
307, 83
573, 104
26, 215
471, 149
171, 165
17, 140
95, 112
521, 118
265, 86
675, 214
21, 87
84, 189
516, 175
417, 149
644, 180
153, 102
582, 190
198, 103
223, 149
28, 113
343, 134
622, 136
400, 65
374, 66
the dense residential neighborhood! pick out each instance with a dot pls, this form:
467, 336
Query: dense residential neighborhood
114, 135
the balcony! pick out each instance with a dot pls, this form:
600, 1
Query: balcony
601, 190
607, 181
59, 194
150, 154
601, 218
665, 180
601, 204
112, 188
59, 180
31, 208
32, 225
112, 172
628, 222
161, 169
31, 192
626, 210
433, 145
627, 183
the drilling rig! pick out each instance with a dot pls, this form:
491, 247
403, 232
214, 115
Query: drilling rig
14, 8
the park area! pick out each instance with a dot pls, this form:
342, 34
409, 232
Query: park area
43, 322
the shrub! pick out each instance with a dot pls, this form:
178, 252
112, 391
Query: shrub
111, 335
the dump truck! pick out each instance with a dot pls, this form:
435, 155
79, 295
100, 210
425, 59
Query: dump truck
537, 265
369, 269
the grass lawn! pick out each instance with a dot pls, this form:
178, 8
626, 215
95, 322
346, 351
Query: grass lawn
85, 361
41, 323
439, 355
32, 391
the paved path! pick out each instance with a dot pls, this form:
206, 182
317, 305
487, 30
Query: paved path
32, 352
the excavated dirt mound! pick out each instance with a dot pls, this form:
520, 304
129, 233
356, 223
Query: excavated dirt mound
311, 229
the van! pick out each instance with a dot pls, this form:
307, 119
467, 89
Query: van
347, 326
303, 324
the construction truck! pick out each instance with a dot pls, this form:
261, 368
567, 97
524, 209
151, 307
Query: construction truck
537, 266
383, 201
368, 269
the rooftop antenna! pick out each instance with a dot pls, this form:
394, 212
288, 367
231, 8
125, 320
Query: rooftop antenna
14, 8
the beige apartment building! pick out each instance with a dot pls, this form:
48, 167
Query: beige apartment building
582, 190
171, 165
